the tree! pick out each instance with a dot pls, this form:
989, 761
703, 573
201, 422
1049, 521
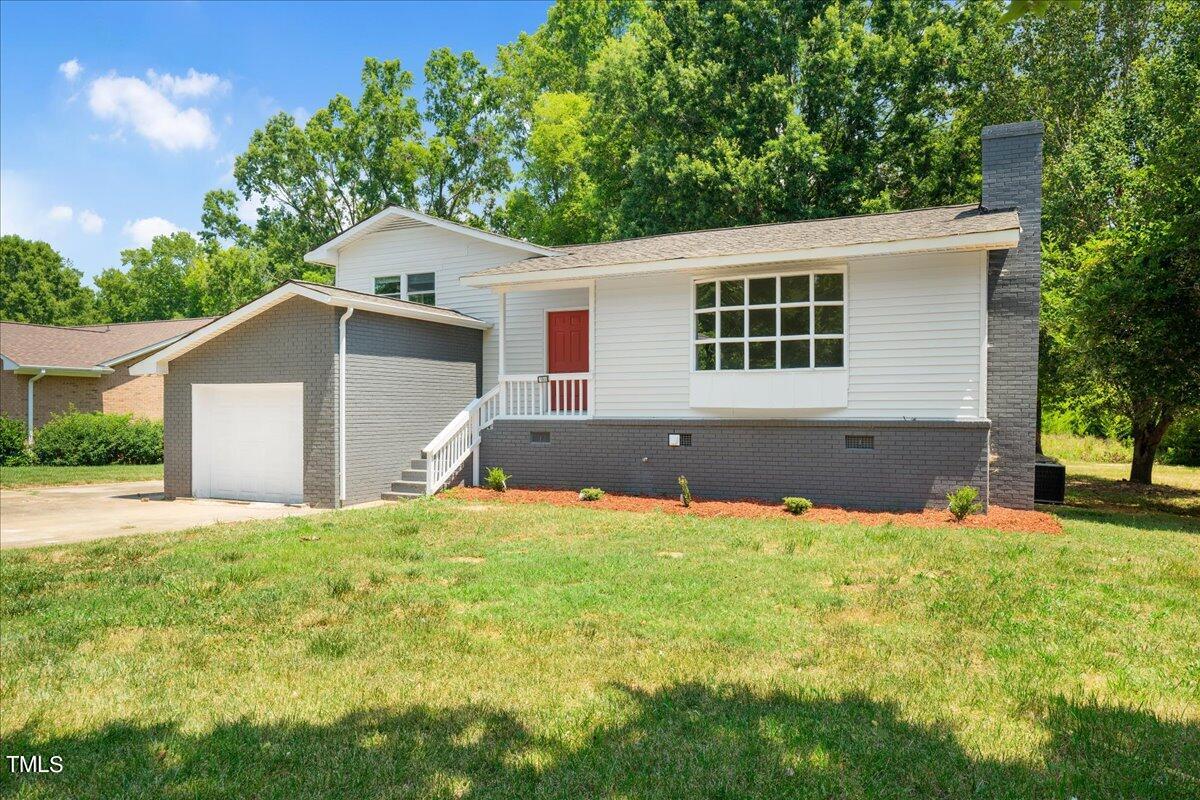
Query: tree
39, 285
1130, 306
155, 284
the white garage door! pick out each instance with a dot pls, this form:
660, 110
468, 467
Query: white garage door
248, 441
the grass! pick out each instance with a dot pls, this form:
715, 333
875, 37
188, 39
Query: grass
20, 477
1089, 449
448, 649
1176, 490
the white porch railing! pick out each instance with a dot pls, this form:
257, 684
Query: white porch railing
450, 448
563, 395
557, 396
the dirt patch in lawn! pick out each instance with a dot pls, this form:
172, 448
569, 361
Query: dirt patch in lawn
997, 518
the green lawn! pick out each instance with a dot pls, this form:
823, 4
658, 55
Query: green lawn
19, 477
449, 649
1176, 490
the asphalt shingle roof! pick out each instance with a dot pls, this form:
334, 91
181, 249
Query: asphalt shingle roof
833, 232
349, 294
86, 345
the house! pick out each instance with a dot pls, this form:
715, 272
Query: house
871, 361
48, 369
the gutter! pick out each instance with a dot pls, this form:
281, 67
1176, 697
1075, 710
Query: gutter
29, 404
342, 405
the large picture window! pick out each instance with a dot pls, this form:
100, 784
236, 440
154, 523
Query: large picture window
416, 287
793, 321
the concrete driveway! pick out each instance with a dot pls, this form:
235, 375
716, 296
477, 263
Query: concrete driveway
62, 514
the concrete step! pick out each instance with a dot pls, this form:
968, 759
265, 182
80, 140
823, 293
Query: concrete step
401, 495
412, 487
418, 463
413, 475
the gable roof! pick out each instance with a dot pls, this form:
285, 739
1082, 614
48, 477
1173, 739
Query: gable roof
397, 218
947, 227
87, 346
318, 292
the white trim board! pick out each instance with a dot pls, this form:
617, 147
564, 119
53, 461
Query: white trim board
991, 240
328, 253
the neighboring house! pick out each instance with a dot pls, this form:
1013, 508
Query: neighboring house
48, 369
871, 361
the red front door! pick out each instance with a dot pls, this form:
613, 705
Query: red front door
567, 351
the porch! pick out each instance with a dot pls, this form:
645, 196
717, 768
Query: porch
563, 391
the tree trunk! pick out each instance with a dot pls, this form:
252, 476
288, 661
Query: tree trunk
1146, 438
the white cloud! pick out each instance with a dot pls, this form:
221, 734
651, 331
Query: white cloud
71, 69
61, 213
194, 84
302, 115
90, 221
144, 231
133, 102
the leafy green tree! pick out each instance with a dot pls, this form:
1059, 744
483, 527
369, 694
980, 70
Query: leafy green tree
39, 285
558, 203
154, 285
223, 279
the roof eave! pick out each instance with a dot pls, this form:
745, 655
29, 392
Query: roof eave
157, 364
327, 253
1003, 239
61, 371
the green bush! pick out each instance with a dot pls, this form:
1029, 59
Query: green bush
797, 505
496, 479
76, 439
590, 493
13, 452
1088, 449
964, 501
1181, 445
685, 492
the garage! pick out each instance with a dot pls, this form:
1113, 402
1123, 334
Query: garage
248, 441
312, 394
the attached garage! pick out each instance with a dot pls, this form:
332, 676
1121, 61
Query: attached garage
259, 405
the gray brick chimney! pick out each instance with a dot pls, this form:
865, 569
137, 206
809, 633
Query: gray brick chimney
1012, 178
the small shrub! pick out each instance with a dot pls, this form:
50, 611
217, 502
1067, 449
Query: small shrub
590, 493
963, 502
12, 442
75, 439
797, 505
496, 479
685, 492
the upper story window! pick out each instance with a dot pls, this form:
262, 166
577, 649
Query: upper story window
416, 287
792, 321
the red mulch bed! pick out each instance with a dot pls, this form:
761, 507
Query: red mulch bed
997, 518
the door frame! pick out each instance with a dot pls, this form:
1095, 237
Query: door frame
546, 335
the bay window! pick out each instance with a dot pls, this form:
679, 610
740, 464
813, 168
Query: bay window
789, 321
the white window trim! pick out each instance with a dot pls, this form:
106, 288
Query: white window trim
404, 294
778, 338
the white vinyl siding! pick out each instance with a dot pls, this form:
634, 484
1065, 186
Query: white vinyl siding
914, 328
450, 256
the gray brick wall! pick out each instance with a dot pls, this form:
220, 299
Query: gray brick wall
913, 464
294, 341
1012, 176
406, 380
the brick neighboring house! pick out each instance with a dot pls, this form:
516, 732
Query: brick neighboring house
48, 369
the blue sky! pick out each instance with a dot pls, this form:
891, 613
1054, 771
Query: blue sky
115, 119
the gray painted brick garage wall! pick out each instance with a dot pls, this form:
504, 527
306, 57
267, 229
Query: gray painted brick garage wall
913, 464
1012, 176
295, 341
406, 380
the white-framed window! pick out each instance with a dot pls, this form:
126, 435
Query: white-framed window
416, 287
787, 321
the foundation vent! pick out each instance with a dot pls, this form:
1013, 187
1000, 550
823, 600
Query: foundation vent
860, 442
539, 437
